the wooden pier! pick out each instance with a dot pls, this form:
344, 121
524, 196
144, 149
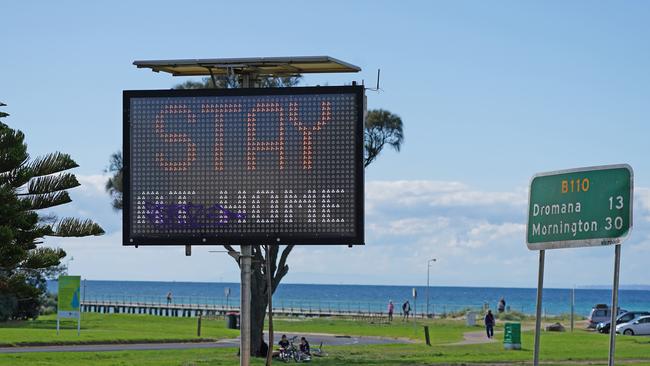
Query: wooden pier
195, 310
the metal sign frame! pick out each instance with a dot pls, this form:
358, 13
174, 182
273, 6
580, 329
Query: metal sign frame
542, 246
580, 242
246, 238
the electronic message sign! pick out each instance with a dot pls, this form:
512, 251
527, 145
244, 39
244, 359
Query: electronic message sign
243, 166
580, 207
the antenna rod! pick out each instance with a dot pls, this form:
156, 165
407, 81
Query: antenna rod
378, 73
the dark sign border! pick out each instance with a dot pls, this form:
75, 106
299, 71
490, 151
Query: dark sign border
243, 239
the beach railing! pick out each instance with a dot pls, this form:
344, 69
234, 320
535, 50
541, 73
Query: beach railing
297, 307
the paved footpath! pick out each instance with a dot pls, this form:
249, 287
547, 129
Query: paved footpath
477, 337
314, 340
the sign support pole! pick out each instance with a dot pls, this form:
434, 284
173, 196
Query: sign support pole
538, 316
269, 290
612, 324
245, 264
245, 307
573, 302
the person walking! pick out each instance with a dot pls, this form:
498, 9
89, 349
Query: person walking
406, 310
391, 309
489, 324
169, 297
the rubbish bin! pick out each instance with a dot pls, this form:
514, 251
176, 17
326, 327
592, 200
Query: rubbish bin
232, 320
512, 336
470, 318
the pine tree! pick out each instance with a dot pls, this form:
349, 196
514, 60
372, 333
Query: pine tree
28, 186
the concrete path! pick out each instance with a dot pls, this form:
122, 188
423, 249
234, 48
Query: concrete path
314, 340
475, 337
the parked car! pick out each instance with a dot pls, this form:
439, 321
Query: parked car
604, 327
638, 326
600, 314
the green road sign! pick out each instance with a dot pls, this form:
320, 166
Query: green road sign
580, 207
69, 296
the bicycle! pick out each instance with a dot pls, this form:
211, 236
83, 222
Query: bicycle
293, 353
318, 352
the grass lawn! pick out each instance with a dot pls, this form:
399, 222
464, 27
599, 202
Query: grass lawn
110, 328
556, 348
440, 331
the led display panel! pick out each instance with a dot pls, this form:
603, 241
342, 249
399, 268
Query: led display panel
243, 166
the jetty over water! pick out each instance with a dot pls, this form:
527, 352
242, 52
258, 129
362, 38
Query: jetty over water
162, 308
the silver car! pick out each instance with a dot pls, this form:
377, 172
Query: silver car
638, 326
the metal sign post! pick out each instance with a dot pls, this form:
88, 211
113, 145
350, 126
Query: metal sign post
538, 311
612, 324
580, 208
573, 304
245, 261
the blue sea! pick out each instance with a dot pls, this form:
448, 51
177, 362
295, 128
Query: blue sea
364, 297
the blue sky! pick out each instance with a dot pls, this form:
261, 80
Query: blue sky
490, 93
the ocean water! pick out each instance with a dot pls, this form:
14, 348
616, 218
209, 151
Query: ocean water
364, 297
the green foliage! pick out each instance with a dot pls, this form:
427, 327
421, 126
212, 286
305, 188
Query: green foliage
114, 183
52, 183
381, 127
71, 227
49, 304
511, 316
27, 186
232, 81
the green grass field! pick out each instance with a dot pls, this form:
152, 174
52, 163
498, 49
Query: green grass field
110, 328
441, 331
580, 347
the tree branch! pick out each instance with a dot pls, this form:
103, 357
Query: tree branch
283, 268
233, 253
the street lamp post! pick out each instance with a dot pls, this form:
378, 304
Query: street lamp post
428, 268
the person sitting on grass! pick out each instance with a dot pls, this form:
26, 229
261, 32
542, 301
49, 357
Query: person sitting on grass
304, 346
283, 343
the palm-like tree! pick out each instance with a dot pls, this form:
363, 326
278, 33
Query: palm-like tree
28, 186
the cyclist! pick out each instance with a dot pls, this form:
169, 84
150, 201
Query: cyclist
304, 346
283, 343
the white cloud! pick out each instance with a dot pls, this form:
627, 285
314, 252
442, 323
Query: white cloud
493, 232
477, 236
409, 226
437, 193
92, 185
